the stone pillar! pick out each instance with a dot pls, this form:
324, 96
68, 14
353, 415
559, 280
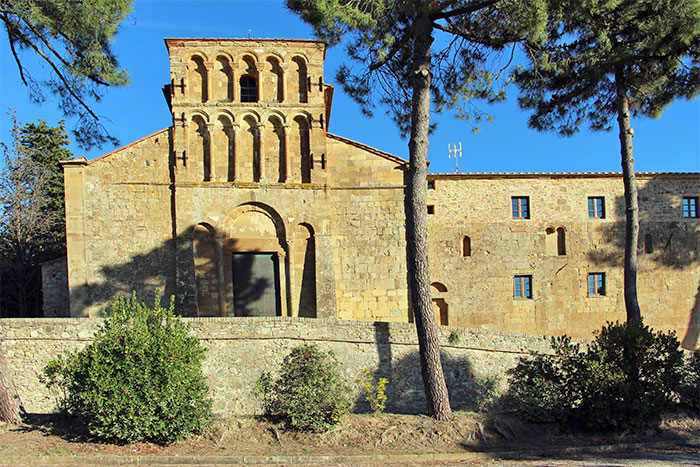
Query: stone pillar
283, 275
186, 299
74, 175
210, 68
285, 73
234, 82
260, 68
219, 256
236, 154
326, 301
261, 150
285, 142
209, 144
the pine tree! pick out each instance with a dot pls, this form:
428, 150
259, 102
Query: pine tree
73, 39
613, 59
393, 44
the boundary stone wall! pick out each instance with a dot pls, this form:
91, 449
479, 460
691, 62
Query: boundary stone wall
239, 349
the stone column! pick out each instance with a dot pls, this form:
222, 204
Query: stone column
260, 68
261, 150
209, 143
219, 256
285, 72
210, 68
236, 155
285, 142
74, 174
283, 275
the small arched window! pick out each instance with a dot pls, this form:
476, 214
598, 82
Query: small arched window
466, 246
561, 241
249, 89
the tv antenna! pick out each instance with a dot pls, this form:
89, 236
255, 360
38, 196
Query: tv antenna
456, 152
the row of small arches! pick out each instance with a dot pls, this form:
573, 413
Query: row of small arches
250, 151
247, 79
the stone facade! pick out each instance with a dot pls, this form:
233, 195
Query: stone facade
248, 206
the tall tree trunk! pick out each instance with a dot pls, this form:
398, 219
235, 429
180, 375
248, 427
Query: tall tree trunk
631, 201
417, 229
11, 409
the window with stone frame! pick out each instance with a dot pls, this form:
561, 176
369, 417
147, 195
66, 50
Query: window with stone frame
690, 207
522, 287
596, 284
520, 207
596, 207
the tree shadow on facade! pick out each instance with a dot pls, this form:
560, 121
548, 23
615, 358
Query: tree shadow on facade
666, 240
170, 267
405, 392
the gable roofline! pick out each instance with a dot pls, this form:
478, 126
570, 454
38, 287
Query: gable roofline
84, 161
369, 149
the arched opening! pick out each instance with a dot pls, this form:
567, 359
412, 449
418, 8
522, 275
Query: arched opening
223, 81
257, 271
300, 79
275, 151
301, 126
224, 157
199, 146
197, 78
561, 241
550, 241
440, 306
648, 244
466, 246
276, 84
305, 269
206, 269
249, 81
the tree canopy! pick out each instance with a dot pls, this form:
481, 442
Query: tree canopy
73, 40
32, 218
607, 60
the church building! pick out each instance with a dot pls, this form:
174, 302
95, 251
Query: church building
248, 206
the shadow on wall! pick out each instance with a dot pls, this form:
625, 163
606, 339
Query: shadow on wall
142, 273
405, 392
671, 244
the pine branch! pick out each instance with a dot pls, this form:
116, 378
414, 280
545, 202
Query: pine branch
11, 40
462, 11
397, 46
60, 76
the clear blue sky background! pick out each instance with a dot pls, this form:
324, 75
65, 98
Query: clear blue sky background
670, 144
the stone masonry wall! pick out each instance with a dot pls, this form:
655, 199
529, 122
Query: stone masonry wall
480, 283
239, 349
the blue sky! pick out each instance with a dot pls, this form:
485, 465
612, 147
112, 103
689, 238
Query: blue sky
670, 144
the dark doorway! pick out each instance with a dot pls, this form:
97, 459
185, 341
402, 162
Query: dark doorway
256, 288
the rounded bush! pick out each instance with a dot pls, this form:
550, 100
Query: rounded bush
139, 380
689, 390
310, 394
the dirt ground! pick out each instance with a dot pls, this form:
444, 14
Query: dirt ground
55, 435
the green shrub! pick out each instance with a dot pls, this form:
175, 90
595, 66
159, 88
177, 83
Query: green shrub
486, 392
139, 380
623, 380
689, 390
628, 376
537, 388
309, 394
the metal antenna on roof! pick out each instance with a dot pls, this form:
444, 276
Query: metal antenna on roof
248, 33
456, 152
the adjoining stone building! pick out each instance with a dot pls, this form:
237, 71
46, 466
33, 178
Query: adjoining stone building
248, 206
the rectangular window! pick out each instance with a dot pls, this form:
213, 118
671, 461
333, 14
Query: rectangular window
596, 207
522, 286
431, 209
431, 184
690, 206
596, 284
521, 207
